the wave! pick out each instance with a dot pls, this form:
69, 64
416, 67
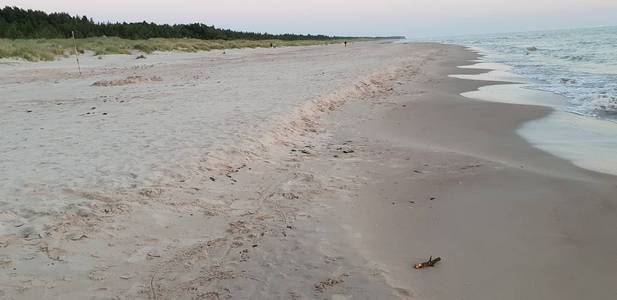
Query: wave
578, 64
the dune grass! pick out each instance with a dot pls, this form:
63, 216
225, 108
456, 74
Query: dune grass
51, 49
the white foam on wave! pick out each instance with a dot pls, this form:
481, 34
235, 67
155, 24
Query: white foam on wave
580, 64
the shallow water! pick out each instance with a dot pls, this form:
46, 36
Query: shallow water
580, 64
586, 141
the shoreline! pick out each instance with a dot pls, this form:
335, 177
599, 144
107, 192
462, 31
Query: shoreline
452, 178
583, 140
372, 162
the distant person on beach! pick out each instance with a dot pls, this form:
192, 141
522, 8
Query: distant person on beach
345, 43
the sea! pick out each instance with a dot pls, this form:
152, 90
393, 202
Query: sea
573, 71
579, 64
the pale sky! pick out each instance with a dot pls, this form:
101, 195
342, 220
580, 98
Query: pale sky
413, 18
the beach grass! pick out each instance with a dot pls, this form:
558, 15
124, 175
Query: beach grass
51, 49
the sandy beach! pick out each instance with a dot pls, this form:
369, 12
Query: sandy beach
319, 172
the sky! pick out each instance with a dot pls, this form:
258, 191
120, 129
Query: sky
412, 18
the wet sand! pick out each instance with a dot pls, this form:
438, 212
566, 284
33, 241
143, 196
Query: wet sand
297, 173
444, 175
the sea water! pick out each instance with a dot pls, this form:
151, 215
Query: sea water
573, 71
580, 64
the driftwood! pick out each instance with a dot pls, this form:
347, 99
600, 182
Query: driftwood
429, 263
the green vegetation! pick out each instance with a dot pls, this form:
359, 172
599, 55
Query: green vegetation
35, 35
17, 23
50, 49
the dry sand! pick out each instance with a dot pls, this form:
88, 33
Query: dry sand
290, 173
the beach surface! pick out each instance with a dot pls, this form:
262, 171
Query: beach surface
320, 172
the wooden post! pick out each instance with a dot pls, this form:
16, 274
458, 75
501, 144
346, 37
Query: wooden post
76, 56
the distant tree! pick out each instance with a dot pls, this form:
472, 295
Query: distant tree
17, 23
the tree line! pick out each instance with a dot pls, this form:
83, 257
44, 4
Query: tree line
17, 23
